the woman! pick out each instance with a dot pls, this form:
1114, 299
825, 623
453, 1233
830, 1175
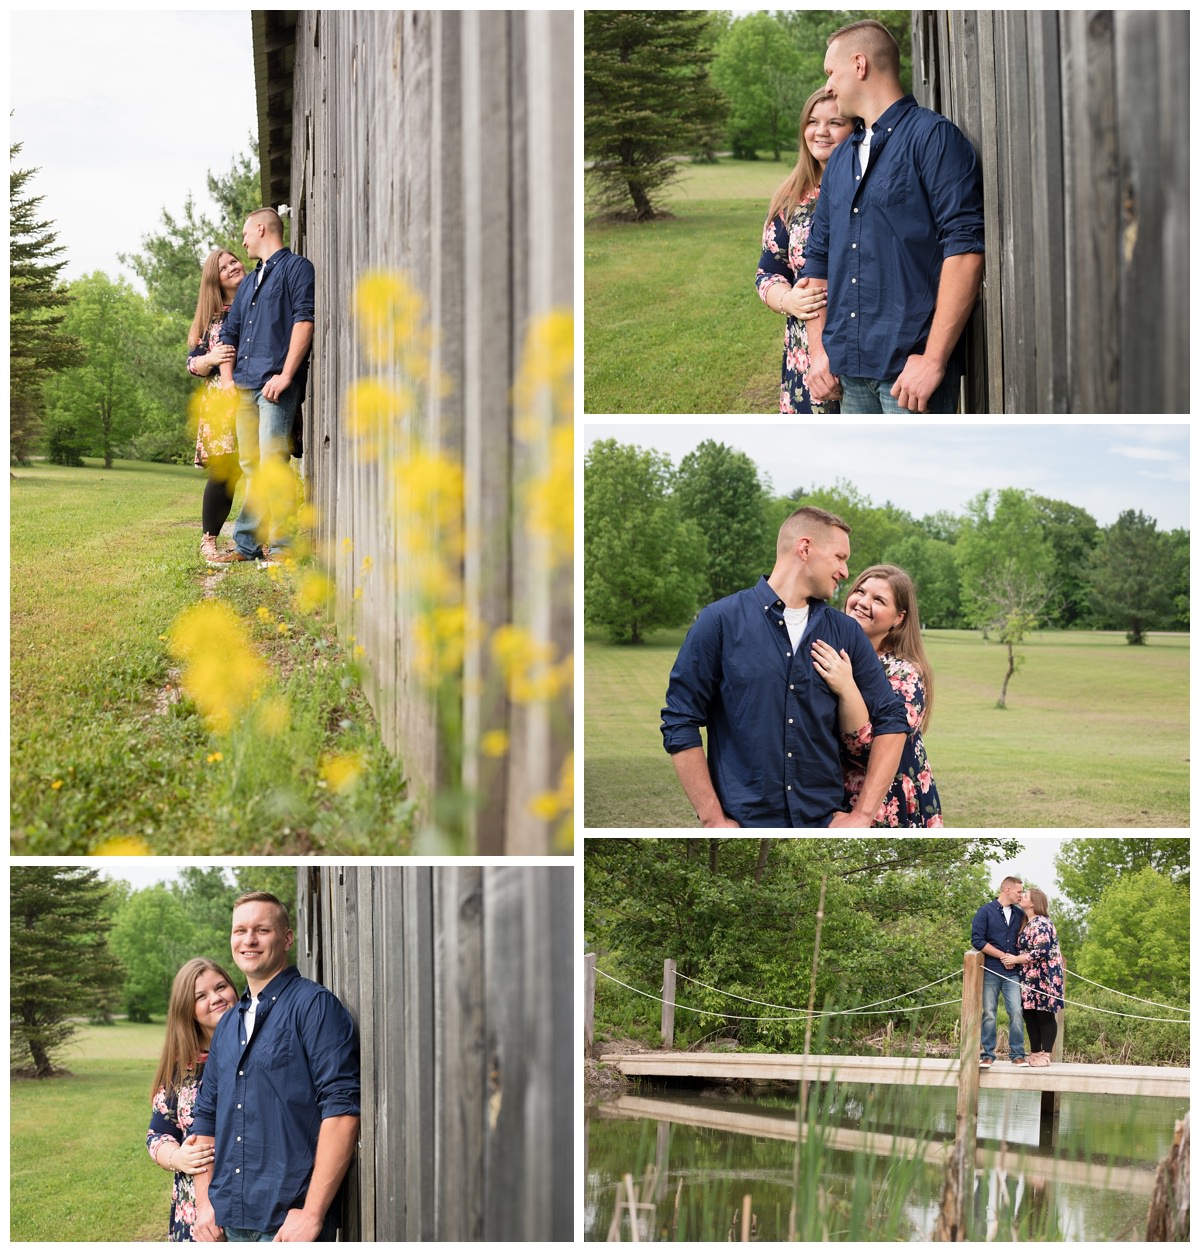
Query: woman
785, 236
201, 994
884, 603
216, 449
1040, 963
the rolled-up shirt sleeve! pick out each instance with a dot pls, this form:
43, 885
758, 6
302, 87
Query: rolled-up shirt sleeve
953, 181
331, 1044
694, 678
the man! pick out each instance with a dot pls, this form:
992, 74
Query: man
270, 323
746, 672
898, 234
994, 932
279, 1097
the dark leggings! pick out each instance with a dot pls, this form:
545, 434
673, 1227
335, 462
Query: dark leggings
1043, 1030
224, 474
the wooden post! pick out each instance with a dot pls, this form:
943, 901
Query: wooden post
960, 1168
668, 1011
589, 1002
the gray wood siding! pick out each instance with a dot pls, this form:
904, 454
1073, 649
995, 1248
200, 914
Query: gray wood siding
461, 982
440, 145
1081, 123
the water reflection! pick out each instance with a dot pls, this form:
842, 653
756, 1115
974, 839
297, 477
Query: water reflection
875, 1169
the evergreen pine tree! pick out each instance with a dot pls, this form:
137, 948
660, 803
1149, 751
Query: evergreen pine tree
37, 344
61, 965
647, 99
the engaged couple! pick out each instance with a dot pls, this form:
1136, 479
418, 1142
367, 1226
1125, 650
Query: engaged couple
255, 1105
1022, 962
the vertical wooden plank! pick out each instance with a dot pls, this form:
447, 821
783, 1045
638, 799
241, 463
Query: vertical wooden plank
421, 1053
488, 179
460, 1055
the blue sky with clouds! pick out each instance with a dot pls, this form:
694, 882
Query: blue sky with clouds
923, 468
124, 114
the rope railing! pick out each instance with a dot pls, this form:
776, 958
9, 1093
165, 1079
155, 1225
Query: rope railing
873, 1009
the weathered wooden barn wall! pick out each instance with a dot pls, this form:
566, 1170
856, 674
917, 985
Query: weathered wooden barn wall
1080, 118
460, 980
437, 145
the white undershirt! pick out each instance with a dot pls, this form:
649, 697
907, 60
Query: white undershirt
249, 1015
864, 150
796, 620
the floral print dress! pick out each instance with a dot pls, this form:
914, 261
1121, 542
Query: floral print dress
210, 442
912, 799
170, 1119
782, 259
1042, 978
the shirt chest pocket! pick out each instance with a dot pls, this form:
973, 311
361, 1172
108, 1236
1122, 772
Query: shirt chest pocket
893, 189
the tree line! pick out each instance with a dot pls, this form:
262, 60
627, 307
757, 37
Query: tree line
97, 368
86, 948
661, 541
739, 918
659, 85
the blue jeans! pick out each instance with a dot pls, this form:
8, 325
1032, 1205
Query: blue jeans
874, 395
235, 1234
993, 987
263, 430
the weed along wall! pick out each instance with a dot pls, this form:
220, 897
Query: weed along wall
1085, 171
460, 981
427, 159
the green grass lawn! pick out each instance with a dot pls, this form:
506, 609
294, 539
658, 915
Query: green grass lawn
101, 564
78, 1164
1096, 733
672, 323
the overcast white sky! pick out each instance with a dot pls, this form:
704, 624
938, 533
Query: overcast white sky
124, 114
925, 468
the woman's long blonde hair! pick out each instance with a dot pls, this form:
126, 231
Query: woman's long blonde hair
806, 177
185, 1040
904, 639
211, 299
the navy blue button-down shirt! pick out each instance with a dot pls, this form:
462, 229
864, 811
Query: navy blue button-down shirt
264, 1099
262, 315
989, 926
773, 739
880, 237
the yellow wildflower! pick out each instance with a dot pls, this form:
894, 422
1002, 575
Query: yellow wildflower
214, 757
341, 772
274, 716
314, 592
56, 785
221, 670
123, 845
494, 743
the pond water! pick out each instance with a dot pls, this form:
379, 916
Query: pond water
871, 1166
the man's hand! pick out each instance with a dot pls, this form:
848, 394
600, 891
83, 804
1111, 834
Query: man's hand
299, 1227
853, 819
274, 387
205, 1228
822, 385
920, 378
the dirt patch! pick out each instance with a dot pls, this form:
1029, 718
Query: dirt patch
602, 1082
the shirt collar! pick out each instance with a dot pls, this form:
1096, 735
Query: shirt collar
888, 119
273, 988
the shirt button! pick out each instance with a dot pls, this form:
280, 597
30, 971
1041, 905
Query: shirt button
853, 246
853, 281
791, 720
855, 210
237, 1171
853, 314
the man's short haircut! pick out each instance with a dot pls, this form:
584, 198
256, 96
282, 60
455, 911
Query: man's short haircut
874, 40
1009, 879
264, 897
807, 517
274, 222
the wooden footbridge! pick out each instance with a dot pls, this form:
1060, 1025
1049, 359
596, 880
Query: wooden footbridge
961, 1073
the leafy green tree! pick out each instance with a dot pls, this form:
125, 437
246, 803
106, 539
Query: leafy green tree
718, 488
61, 964
930, 564
152, 937
643, 566
809, 30
102, 400
648, 99
1072, 534
1132, 576
1006, 567
1179, 541
1138, 937
757, 67
1087, 867
37, 342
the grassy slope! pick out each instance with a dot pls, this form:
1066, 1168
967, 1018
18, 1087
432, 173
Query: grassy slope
1095, 735
102, 561
672, 323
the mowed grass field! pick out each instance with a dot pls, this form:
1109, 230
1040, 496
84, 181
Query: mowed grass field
1095, 735
672, 322
79, 1170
